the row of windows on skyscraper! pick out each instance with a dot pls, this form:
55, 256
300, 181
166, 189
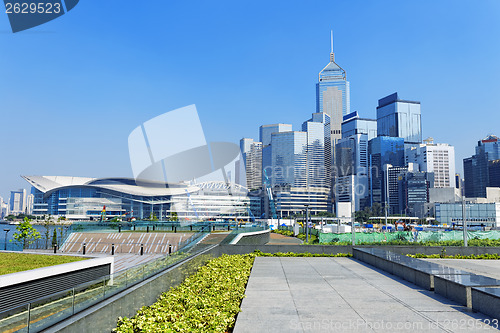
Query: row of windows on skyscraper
340, 157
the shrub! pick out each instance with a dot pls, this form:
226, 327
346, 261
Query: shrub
207, 301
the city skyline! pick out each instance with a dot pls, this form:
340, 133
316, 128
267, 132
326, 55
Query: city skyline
68, 108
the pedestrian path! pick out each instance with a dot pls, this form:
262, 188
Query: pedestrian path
124, 261
344, 295
277, 239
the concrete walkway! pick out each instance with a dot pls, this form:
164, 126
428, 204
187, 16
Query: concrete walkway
344, 295
278, 239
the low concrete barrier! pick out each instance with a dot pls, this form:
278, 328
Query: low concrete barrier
486, 300
428, 250
252, 238
458, 287
454, 284
413, 270
242, 249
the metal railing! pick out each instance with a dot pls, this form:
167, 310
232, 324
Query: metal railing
42, 313
47, 311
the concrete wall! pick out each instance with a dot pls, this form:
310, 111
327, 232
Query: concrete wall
242, 249
253, 238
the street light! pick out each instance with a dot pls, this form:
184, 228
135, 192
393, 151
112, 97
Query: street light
307, 223
464, 221
6, 232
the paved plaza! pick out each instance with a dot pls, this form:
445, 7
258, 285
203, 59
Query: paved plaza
344, 295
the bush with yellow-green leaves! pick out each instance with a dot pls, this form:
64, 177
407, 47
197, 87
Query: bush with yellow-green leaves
207, 301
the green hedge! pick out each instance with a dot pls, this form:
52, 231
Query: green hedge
207, 301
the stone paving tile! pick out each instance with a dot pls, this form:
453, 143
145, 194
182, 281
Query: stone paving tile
344, 295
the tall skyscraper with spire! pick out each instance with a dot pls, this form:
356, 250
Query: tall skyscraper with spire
332, 95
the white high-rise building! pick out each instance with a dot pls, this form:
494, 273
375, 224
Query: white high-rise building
18, 202
252, 158
438, 158
4, 208
30, 199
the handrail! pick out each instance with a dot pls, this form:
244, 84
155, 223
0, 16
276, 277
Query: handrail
115, 283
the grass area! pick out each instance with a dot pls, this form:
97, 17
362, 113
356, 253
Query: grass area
18, 262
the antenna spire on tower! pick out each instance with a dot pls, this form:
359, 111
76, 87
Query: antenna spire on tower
331, 39
332, 55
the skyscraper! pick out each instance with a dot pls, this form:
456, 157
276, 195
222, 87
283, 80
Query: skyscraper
353, 124
438, 158
480, 170
383, 150
351, 183
265, 132
289, 159
332, 95
414, 192
319, 151
252, 160
399, 118
265, 135
18, 201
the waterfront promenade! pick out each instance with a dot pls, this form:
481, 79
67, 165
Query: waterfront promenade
345, 295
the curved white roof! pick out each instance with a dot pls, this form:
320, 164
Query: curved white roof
49, 184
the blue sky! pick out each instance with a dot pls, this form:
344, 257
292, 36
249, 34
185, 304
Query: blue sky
73, 89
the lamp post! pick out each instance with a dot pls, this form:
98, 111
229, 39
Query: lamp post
464, 221
307, 223
6, 232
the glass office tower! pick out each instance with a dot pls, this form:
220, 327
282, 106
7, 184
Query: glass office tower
479, 170
383, 150
332, 95
265, 132
289, 159
353, 125
399, 118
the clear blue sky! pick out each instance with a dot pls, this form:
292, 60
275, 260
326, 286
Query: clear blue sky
73, 89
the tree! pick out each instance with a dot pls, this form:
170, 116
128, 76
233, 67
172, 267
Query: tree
173, 216
362, 216
47, 222
54, 238
25, 233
